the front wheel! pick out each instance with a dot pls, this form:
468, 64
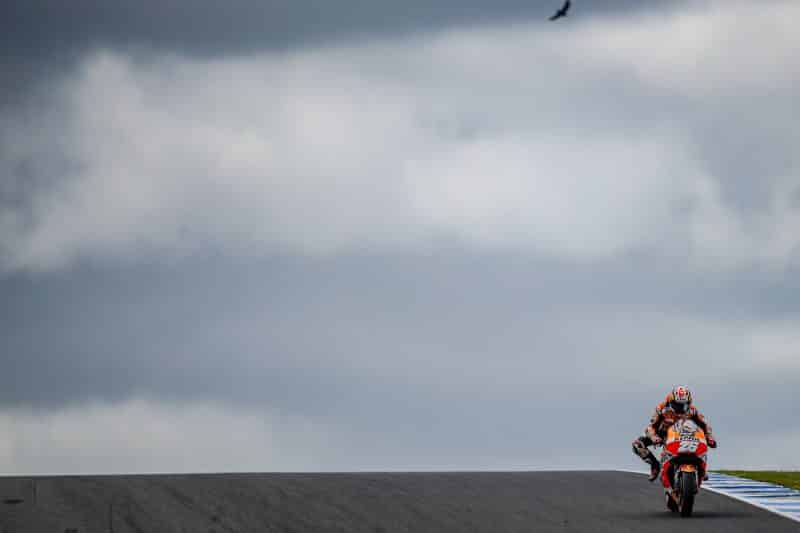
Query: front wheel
688, 489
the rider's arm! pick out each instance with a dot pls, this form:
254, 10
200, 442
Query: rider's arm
655, 421
701, 421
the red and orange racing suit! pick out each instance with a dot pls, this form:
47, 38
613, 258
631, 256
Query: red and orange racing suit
663, 418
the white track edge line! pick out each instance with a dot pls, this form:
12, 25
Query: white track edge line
732, 496
753, 503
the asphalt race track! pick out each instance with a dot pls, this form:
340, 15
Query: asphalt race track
370, 502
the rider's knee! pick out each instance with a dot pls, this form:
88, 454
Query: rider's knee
639, 448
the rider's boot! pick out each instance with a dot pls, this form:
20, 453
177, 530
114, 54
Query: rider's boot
655, 467
640, 449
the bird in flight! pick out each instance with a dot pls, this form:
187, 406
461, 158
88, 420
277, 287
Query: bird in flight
561, 12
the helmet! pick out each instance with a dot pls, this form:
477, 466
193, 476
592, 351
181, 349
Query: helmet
680, 399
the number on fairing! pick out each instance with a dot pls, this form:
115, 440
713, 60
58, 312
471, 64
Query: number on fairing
687, 446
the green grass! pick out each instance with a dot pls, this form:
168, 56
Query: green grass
785, 478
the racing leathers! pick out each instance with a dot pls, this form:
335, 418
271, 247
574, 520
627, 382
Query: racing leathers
655, 433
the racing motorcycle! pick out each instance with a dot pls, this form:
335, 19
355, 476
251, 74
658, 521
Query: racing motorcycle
684, 465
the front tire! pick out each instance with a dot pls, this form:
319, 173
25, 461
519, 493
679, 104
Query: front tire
687, 492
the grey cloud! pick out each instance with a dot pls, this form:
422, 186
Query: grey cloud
747, 146
43, 27
296, 333
42, 40
448, 359
446, 353
654, 138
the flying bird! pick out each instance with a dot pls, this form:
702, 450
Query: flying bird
561, 12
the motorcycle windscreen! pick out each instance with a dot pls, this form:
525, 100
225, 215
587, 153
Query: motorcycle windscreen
685, 437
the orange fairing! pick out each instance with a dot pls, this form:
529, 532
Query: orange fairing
681, 441
685, 448
673, 435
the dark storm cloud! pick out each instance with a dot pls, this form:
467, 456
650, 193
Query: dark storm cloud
740, 139
470, 351
656, 140
449, 353
747, 144
41, 27
284, 330
42, 39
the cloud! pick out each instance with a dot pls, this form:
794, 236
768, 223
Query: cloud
782, 445
400, 362
144, 436
404, 252
507, 137
206, 28
139, 436
702, 50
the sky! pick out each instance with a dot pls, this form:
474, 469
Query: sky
335, 236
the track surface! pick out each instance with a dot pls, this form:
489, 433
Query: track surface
375, 503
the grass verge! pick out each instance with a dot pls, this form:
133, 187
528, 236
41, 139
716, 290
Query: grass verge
785, 478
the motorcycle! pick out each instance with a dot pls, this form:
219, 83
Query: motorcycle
684, 461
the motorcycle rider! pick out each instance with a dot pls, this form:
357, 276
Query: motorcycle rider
677, 405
